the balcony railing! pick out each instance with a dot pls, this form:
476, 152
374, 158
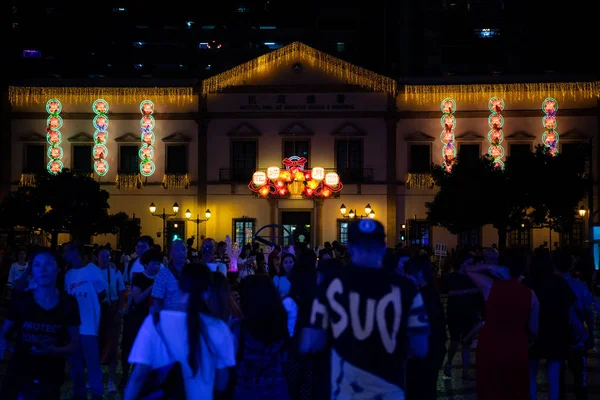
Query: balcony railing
347, 175
235, 175
356, 175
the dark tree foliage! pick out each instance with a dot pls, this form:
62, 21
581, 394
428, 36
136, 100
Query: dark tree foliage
537, 190
63, 203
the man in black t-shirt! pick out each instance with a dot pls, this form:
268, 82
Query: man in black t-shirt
375, 318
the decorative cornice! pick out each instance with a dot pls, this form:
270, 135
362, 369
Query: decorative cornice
33, 138
470, 136
348, 129
419, 137
177, 138
81, 137
521, 136
574, 135
244, 130
296, 129
128, 138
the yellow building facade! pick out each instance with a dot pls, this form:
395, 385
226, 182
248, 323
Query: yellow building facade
293, 103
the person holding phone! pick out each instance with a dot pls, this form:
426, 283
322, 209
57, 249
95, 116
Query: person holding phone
47, 325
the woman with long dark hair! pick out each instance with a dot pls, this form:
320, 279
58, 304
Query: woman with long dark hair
284, 269
201, 343
47, 324
262, 339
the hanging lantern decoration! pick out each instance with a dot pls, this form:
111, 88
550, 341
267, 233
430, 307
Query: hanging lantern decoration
448, 122
147, 124
295, 181
550, 136
495, 135
54, 137
100, 122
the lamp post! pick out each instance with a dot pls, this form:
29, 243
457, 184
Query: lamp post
198, 221
369, 213
164, 216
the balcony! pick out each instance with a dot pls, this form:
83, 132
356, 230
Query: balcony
235, 175
356, 175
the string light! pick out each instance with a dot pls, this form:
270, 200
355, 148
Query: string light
53, 136
448, 122
176, 181
419, 181
550, 136
100, 122
495, 135
423, 94
343, 70
27, 180
147, 124
128, 181
34, 95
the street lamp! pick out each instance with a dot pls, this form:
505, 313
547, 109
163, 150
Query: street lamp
198, 221
369, 212
582, 211
164, 216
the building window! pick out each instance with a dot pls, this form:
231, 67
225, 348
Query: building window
573, 238
129, 159
469, 152
82, 158
520, 238
520, 150
487, 33
470, 238
300, 148
177, 162
573, 149
341, 46
420, 233
419, 158
35, 158
244, 230
243, 160
342, 231
349, 159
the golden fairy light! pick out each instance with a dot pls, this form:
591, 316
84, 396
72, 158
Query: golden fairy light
27, 180
36, 95
423, 94
128, 181
176, 181
419, 181
343, 70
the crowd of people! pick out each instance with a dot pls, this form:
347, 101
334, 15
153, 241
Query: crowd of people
359, 321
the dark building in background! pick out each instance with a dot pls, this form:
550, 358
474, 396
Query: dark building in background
400, 38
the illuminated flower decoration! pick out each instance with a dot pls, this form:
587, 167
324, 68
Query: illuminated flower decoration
53, 136
100, 122
495, 135
147, 124
550, 136
448, 122
295, 181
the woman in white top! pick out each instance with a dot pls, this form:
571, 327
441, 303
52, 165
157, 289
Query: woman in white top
201, 343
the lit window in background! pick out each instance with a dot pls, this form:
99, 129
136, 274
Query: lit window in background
32, 54
189, 24
267, 27
273, 45
341, 46
119, 10
139, 66
203, 45
138, 45
487, 33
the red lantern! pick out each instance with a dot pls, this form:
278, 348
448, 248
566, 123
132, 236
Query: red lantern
53, 107
147, 108
147, 121
280, 184
55, 152
55, 167
147, 168
53, 122
148, 138
309, 192
54, 137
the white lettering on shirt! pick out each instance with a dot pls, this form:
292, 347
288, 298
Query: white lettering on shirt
389, 338
361, 333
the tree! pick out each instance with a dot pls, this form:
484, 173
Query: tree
63, 203
537, 190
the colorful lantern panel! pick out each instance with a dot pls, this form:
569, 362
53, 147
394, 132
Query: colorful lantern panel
295, 180
53, 136
147, 124
550, 136
100, 122
448, 123
496, 135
